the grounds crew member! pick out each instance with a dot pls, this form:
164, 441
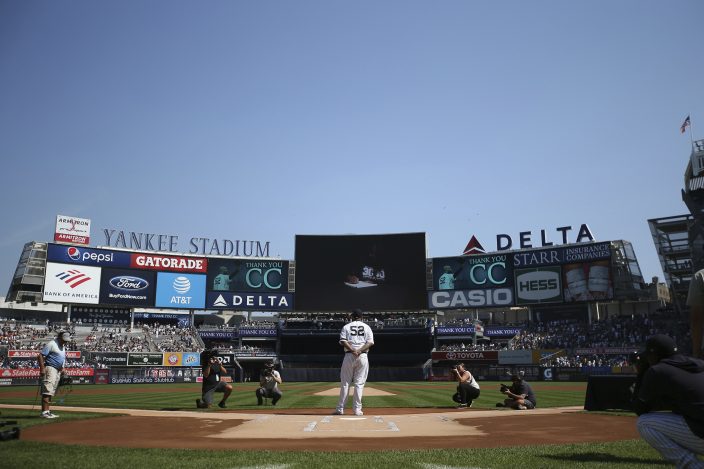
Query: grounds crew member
51, 364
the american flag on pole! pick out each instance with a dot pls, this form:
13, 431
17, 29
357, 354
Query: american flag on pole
685, 124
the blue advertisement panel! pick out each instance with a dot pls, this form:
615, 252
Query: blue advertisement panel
217, 335
179, 290
247, 275
499, 331
245, 332
127, 287
191, 359
87, 256
473, 272
250, 301
580, 253
456, 330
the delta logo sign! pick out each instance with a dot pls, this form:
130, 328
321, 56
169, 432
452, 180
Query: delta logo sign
505, 242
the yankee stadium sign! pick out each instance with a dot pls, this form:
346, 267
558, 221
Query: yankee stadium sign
204, 246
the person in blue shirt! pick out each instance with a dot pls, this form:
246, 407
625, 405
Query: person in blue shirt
51, 364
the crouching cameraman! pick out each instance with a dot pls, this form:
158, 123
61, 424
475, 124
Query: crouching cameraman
519, 395
467, 389
212, 381
269, 381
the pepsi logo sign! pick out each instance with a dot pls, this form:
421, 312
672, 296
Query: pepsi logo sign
129, 283
73, 253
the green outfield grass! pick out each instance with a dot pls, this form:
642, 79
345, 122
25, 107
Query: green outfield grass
25, 454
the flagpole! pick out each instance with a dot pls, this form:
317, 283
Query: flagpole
691, 138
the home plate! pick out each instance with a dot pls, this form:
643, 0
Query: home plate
368, 391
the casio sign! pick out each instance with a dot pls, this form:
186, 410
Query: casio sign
126, 282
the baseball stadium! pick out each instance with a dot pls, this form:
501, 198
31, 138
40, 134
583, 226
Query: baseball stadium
143, 325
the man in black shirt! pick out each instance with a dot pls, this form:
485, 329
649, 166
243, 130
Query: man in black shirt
212, 383
519, 395
668, 380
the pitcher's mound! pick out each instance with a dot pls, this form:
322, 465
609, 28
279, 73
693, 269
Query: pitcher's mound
367, 392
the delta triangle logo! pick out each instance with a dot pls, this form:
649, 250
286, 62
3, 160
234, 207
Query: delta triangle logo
220, 301
473, 247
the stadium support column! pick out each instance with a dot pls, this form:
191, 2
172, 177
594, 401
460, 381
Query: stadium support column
68, 314
131, 319
191, 318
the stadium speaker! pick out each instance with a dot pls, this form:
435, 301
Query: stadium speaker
609, 392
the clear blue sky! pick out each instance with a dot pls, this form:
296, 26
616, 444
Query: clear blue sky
263, 120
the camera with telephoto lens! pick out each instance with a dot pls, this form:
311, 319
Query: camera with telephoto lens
503, 388
207, 355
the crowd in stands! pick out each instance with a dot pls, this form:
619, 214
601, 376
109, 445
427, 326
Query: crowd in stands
171, 338
113, 339
17, 336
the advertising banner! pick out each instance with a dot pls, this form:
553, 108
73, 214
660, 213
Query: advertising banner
71, 284
247, 275
516, 357
539, 285
250, 301
100, 316
489, 355
34, 372
606, 350
173, 359
110, 358
102, 376
191, 359
168, 263
472, 272
586, 252
128, 287
180, 291
587, 282
145, 359
453, 299
87, 256
72, 354
72, 230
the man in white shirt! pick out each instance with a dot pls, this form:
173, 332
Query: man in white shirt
356, 338
51, 364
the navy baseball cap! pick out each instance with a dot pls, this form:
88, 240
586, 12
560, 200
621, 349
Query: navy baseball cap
661, 345
357, 313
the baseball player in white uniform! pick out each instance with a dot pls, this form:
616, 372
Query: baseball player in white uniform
356, 338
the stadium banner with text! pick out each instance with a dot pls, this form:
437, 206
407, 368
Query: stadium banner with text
539, 285
72, 230
606, 350
173, 359
177, 290
217, 335
145, 359
109, 358
87, 256
67, 283
456, 299
516, 357
253, 332
485, 356
160, 262
250, 301
100, 316
71, 354
191, 359
457, 330
128, 287
573, 254
501, 331
478, 272
34, 372
247, 275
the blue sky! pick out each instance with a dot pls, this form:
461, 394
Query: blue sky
263, 120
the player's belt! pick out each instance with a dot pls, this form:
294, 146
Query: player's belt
347, 351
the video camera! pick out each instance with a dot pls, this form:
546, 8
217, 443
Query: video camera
207, 354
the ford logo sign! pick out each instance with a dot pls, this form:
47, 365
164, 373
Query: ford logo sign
126, 282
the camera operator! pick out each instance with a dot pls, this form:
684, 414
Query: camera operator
519, 395
269, 381
51, 364
668, 380
212, 383
468, 388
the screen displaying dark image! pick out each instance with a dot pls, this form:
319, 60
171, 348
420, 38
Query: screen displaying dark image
371, 272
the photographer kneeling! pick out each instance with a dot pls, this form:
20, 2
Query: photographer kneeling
269, 381
467, 389
519, 395
212, 370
